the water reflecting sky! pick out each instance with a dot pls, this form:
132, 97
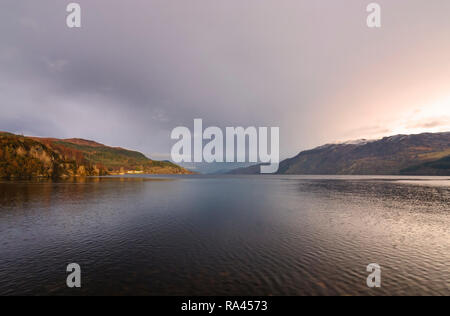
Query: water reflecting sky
240, 235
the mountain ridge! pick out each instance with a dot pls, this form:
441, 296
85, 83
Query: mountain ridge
393, 155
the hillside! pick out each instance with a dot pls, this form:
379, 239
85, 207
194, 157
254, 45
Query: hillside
438, 167
401, 154
28, 157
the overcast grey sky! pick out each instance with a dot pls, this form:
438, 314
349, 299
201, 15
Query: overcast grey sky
138, 68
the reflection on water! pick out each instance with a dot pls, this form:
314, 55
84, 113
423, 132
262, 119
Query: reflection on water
275, 235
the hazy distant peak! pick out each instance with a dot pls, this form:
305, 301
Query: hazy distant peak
358, 142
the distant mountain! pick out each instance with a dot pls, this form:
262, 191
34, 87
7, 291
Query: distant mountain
423, 154
214, 167
28, 157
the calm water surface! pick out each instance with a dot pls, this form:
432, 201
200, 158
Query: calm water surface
245, 235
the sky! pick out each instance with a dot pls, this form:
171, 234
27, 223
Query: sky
137, 69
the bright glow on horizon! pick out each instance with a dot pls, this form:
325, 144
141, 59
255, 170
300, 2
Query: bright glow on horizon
434, 117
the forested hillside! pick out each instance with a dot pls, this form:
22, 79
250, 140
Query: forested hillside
28, 157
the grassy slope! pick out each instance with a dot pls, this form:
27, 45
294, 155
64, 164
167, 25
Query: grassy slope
117, 160
437, 167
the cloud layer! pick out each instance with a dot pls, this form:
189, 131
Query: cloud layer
137, 69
